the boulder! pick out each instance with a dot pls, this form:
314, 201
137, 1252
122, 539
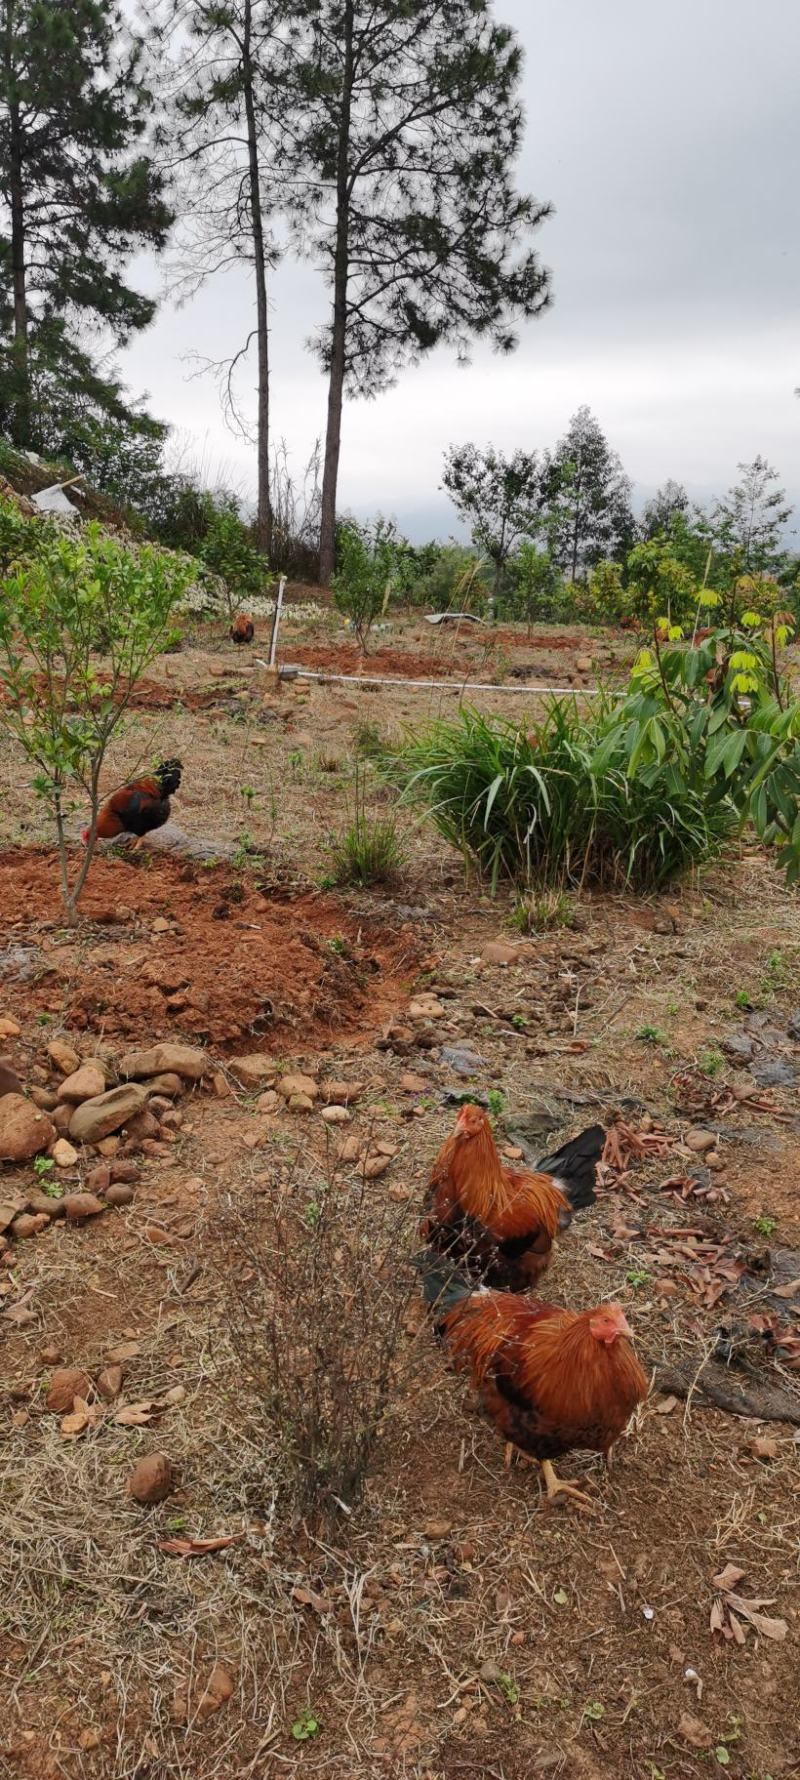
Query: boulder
165, 1059
9, 1080
24, 1129
96, 1119
254, 1071
291, 1085
63, 1056
85, 1083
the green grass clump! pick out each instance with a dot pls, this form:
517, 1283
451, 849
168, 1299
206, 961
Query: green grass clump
368, 852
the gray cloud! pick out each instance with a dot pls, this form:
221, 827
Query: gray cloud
669, 141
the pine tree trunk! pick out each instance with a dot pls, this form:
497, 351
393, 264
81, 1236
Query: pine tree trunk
264, 510
21, 422
333, 434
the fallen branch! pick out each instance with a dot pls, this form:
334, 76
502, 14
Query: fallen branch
714, 1384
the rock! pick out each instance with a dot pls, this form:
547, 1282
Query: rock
350, 1149
699, 1140
300, 1103
119, 1195
43, 1206
742, 1086
63, 1056
426, 1007
288, 1085
124, 1174
50, 1355
109, 1383
96, 1119
61, 1117
375, 1166
462, 1060
413, 1084
107, 1146
160, 925
217, 1692
269, 1102
396, 1038
9, 1028
169, 1084
29, 1224
714, 1161
341, 1093
67, 1383
9, 1208
143, 1124
776, 1074
583, 664
24, 1129
254, 1071
98, 1180
502, 951
336, 1115
793, 1027
159, 1106
85, 1083
63, 1154
151, 1480
78, 1206
738, 1047
44, 1098
10, 1082
166, 1059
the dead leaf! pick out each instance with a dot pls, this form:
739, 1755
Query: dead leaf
306, 1597
728, 1578
76, 1423
665, 1405
197, 1547
127, 1350
134, 1415
437, 1529
764, 1446
767, 1627
694, 1732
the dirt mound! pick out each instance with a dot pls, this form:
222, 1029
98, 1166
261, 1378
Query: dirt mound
236, 967
402, 664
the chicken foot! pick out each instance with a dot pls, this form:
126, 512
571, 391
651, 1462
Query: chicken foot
557, 1486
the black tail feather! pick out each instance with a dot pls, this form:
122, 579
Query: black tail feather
443, 1284
574, 1166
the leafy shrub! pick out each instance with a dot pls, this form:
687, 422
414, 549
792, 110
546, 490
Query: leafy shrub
21, 537
536, 589
450, 577
604, 596
371, 562
658, 585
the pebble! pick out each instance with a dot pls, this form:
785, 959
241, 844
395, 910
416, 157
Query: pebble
350, 1149
9, 1028
29, 1224
743, 1087
300, 1103
502, 951
171, 1085
109, 1382
341, 1093
426, 1007
62, 1117
63, 1056
119, 1195
268, 1102
63, 1154
44, 1098
124, 1173
413, 1084
43, 1206
9, 1080
253, 1071
699, 1140
292, 1084
78, 1206
67, 1383
714, 1161
151, 1480
336, 1115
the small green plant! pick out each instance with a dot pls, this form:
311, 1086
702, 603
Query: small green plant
496, 1101
544, 913
370, 562
43, 1165
594, 1711
249, 794
710, 1061
338, 945
369, 850
742, 999
305, 1726
764, 1225
652, 1035
637, 1277
509, 1688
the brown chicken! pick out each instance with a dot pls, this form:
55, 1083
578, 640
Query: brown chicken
140, 807
550, 1380
499, 1221
243, 629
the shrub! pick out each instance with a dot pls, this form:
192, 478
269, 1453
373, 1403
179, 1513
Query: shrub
452, 578
658, 585
537, 590
371, 561
58, 608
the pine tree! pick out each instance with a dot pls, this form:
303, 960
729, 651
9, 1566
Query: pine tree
78, 194
670, 502
498, 497
587, 499
408, 124
748, 524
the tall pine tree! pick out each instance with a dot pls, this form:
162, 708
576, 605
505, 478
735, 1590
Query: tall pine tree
407, 124
78, 196
587, 499
749, 523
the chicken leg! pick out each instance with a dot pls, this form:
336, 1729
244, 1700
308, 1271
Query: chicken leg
556, 1486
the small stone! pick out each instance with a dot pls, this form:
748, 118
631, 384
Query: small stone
10, 1206
124, 1174
98, 1180
50, 1355
217, 1692
375, 1166
24, 1129
97, 1119
67, 1383
583, 664
269, 1102
743, 1087
63, 1154
289, 1085
254, 1071
714, 1161
109, 1382
169, 1084
151, 1480
166, 1059
143, 1124
89, 1739
699, 1140
426, 1007
85, 1083
341, 1093
350, 1149
44, 1098
10, 1082
738, 1047
29, 1224
300, 1103
43, 1206
107, 1146
336, 1115
413, 1084
78, 1206
119, 1195
502, 951
63, 1056
61, 1117
9, 1028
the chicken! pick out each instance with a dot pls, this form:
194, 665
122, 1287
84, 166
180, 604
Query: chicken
501, 1222
242, 629
549, 1379
140, 807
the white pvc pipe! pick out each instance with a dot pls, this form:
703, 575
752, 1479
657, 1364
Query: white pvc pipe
436, 685
273, 642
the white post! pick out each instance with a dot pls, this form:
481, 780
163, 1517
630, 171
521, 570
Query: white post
276, 618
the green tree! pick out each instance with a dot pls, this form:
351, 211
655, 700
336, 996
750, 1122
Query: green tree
408, 126
60, 606
497, 496
748, 524
659, 585
538, 588
668, 503
78, 193
586, 496
371, 562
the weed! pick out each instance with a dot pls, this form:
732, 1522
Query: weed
710, 1061
652, 1035
637, 1276
43, 1166
764, 1225
544, 913
497, 1101
742, 999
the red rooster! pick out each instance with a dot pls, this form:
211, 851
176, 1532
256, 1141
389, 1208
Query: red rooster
243, 629
140, 807
502, 1221
549, 1379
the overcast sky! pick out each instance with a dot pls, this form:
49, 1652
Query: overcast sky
668, 139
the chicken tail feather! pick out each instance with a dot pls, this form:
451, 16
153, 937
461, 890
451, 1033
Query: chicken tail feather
443, 1284
574, 1166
